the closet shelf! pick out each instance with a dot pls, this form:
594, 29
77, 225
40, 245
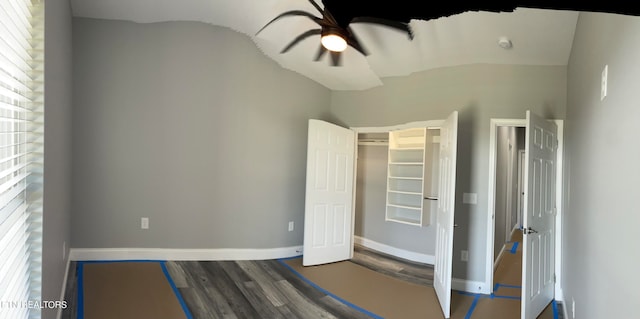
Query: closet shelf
373, 142
405, 206
404, 177
405, 220
404, 192
409, 148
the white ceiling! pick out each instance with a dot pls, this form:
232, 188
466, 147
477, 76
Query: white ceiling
539, 36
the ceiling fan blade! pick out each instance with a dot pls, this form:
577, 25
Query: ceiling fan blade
353, 41
321, 51
300, 38
329, 17
316, 6
389, 23
293, 13
336, 58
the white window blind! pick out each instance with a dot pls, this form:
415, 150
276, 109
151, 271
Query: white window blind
21, 156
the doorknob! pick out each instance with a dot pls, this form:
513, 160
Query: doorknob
529, 231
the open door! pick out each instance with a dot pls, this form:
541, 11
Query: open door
445, 214
328, 220
538, 267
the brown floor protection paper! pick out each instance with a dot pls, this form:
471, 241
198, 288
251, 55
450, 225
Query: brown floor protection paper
128, 290
380, 294
392, 298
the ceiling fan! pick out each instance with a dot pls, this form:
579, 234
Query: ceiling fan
335, 38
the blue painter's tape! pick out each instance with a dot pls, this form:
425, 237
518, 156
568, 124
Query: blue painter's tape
369, 313
80, 274
554, 305
514, 248
473, 307
175, 290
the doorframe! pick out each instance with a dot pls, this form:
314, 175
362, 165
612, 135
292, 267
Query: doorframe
521, 154
491, 197
379, 129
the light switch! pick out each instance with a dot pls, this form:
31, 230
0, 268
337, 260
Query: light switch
470, 198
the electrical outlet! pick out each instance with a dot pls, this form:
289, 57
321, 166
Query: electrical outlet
290, 226
603, 85
464, 255
144, 223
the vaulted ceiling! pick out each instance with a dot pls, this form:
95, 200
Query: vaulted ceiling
538, 36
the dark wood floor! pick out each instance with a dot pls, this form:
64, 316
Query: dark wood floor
263, 289
403, 269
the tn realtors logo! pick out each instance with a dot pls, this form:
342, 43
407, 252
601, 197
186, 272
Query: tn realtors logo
33, 304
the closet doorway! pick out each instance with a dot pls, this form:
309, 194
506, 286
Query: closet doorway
397, 195
330, 190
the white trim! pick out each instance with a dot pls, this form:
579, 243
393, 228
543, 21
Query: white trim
497, 261
64, 286
394, 251
560, 297
476, 287
381, 129
521, 154
504, 248
83, 254
559, 206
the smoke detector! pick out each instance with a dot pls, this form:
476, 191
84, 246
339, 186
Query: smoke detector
505, 43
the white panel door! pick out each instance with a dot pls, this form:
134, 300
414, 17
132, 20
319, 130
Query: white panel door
445, 214
328, 220
538, 267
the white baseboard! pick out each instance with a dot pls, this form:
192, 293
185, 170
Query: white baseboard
559, 297
476, 287
495, 263
64, 286
390, 250
87, 254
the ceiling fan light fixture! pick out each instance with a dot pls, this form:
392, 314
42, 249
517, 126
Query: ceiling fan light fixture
333, 41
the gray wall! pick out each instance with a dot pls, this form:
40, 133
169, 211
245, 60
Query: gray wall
479, 92
192, 126
57, 145
600, 243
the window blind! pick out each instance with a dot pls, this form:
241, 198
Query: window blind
21, 156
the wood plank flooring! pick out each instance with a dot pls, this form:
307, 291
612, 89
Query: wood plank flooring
399, 268
263, 288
